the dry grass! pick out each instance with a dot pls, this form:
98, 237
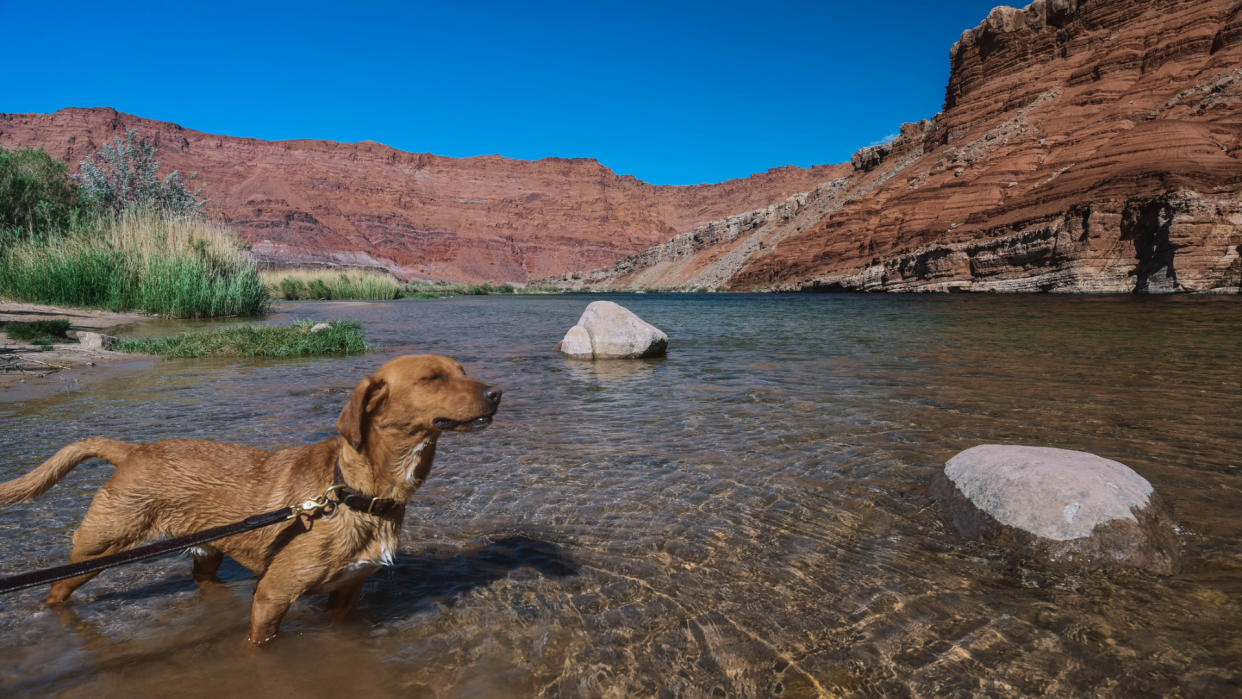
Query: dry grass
325, 284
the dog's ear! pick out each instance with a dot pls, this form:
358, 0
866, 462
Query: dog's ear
368, 396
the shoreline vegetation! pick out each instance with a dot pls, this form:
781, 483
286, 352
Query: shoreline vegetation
301, 339
327, 284
118, 237
147, 260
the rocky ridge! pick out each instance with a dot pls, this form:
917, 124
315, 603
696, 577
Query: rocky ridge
1085, 146
416, 215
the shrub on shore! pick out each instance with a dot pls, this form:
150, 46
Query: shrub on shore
127, 177
141, 259
37, 196
270, 341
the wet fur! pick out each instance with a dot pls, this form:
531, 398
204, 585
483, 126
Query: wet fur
387, 442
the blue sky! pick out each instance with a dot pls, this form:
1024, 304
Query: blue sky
673, 93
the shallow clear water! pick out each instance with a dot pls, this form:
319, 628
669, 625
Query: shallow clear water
746, 517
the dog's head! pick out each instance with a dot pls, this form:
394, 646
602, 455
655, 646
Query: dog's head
413, 398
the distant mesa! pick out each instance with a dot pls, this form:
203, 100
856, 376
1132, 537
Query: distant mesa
416, 215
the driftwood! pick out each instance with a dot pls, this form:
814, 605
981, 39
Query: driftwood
11, 362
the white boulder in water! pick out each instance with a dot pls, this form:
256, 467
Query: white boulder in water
1058, 506
609, 331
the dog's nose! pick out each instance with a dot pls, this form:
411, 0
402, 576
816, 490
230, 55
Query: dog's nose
492, 394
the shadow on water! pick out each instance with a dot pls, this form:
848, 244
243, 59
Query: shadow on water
208, 629
443, 575
414, 582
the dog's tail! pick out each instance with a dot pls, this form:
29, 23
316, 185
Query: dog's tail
41, 479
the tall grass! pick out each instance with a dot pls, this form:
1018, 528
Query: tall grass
324, 285
184, 266
417, 289
363, 285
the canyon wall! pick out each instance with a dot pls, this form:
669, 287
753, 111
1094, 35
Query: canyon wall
416, 215
1085, 145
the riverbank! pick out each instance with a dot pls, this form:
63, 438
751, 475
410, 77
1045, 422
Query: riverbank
27, 370
38, 364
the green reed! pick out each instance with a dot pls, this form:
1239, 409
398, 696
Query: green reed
271, 341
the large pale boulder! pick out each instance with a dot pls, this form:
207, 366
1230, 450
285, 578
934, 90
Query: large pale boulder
95, 341
1068, 508
609, 331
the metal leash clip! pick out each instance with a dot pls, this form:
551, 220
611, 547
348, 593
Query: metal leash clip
315, 506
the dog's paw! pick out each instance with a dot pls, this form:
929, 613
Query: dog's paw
258, 645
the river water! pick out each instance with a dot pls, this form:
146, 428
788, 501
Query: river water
746, 517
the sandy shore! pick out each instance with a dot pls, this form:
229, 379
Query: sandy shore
26, 371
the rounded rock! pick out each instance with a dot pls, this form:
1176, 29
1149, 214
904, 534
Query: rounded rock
1063, 507
96, 341
613, 332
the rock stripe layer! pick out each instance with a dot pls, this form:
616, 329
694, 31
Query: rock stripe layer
1084, 147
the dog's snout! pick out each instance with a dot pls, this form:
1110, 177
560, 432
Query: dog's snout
492, 394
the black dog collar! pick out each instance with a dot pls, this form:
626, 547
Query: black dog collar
354, 500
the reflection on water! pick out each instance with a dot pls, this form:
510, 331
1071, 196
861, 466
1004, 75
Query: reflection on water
746, 517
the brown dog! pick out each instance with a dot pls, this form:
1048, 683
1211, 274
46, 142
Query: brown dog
171, 488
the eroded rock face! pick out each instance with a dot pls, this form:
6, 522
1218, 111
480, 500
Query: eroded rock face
1066, 508
417, 215
609, 331
1084, 147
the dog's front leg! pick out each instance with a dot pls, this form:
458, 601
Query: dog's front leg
272, 599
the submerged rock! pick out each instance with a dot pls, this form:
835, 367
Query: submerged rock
1064, 507
610, 331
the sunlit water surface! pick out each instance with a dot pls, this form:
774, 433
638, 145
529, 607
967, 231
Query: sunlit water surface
747, 517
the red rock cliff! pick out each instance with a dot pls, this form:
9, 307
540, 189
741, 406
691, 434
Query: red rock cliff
1085, 145
417, 215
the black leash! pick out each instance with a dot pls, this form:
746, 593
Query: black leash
159, 548
345, 495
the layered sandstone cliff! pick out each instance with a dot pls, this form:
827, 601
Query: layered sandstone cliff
1085, 145
416, 215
